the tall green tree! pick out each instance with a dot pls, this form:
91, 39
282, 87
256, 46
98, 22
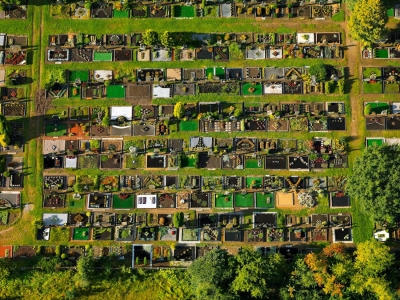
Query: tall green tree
166, 39
179, 110
5, 131
368, 20
375, 182
211, 275
150, 37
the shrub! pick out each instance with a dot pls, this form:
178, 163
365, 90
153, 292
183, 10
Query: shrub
145, 261
63, 256
368, 109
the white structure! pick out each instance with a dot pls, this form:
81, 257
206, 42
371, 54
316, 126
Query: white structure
306, 38
55, 219
121, 111
381, 236
146, 201
161, 91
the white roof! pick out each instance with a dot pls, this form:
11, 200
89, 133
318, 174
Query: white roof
118, 111
381, 236
2, 39
55, 219
146, 201
71, 162
161, 92
301, 38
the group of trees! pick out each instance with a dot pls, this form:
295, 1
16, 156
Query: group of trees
167, 38
332, 273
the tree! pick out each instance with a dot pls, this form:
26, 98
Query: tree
5, 131
84, 268
210, 275
150, 37
166, 39
368, 21
178, 219
179, 110
374, 182
319, 71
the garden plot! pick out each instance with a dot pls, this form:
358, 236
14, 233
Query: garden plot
81, 55
375, 123
268, 145
166, 200
170, 182
57, 91
313, 52
144, 130
227, 10
244, 200
245, 145
10, 200
53, 200
184, 253
233, 182
224, 201
211, 234
200, 200
221, 53
253, 162
255, 235
14, 109
293, 87
98, 200
256, 53
334, 108
305, 38
140, 12
380, 53
109, 183
24, 252
79, 113
93, 92
287, 145
101, 10
274, 88
6, 251
189, 235
230, 220
167, 233
115, 92
215, 73
299, 124
253, 73
200, 143
187, 55
103, 55
189, 125
232, 161
252, 89
297, 234
336, 124
125, 233
274, 52
123, 55
152, 182
209, 162
204, 53
254, 183
102, 233
299, 163
278, 125
88, 162
372, 80
150, 75
52, 56
377, 108
193, 74
110, 161
276, 162
125, 219
393, 123
163, 11
338, 161
164, 91
183, 200
183, 11
264, 200
55, 219
162, 55
207, 220
272, 183
78, 219
53, 161
342, 235
233, 236
138, 91
174, 74
115, 40
317, 124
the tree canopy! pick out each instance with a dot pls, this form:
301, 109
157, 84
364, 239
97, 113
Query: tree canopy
166, 39
375, 182
319, 71
150, 37
5, 131
179, 110
368, 20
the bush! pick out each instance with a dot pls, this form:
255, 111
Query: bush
368, 109
145, 261
341, 86
58, 251
7, 173
63, 256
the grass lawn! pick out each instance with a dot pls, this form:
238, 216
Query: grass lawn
381, 53
252, 163
120, 13
183, 11
254, 181
392, 88
115, 91
60, 130
374, 142
339, 16
246, 200
81, 234
76, 203
187, 161
247, 89
223, 201
59, 235
119, 203
265, 200
219, 72
134, 162
378, 107
102, 56
367, 72
82, 75
372, 88
189, 125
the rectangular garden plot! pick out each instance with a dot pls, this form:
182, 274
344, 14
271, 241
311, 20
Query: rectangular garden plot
200, 200
264, 200
252, 89
123, 201
244, 200
81, 55
372, 80
299, 163
255, 235
375, 123
182, 11
223, 201
233, 182
209, 220
336, 124
125, 234
103, 234
276, 163
204, 53
97, 200
297, 234
80, 234
54, 200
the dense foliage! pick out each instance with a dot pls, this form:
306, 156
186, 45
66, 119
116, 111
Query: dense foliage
375, 182
332, 273
5, 131
368, 21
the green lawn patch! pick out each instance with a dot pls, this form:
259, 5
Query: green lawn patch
76, 203
339, 16
74, 92
126, 203
367, 72
59, 130
254, 182
102, 56
378, 107
115, 91
183, 11
120, 13
381, 53
252, 89
223, 201
81, 234
82, 75
217, 71
392, 88
265, 200
135, 162
244, 200
374, 142
390, 12
372, 88
188, 161
253, 163
189, 125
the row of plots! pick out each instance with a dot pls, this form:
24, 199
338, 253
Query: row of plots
206, 227
382, 115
